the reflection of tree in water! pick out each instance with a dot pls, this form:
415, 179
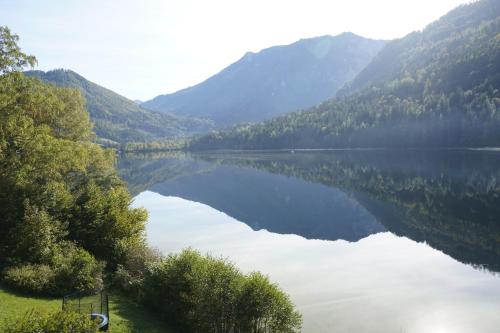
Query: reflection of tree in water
276, 203
450, 200
141, 171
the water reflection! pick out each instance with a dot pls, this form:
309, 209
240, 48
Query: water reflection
276, 203
448, 199
327, 227
382, 283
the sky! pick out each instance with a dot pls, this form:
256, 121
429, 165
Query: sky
141, 49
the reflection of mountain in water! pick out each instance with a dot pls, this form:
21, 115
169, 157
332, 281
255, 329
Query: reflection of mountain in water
451, 200
141, 171
276, 203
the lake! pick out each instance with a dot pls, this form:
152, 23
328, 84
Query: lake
362, 240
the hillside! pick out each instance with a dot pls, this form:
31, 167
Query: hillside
274, 81
433, 44
434, 88
119, 119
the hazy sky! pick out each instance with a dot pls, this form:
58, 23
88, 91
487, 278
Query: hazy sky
143, 48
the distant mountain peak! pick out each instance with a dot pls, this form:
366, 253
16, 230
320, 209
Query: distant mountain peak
274, 81
433, 88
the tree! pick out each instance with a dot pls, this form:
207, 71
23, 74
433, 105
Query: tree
205, 294
59, 192
11, 57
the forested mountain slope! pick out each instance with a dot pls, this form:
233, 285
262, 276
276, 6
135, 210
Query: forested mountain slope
119, 119
435, 88
274, 81
435, 43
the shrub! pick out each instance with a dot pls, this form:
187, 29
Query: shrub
70, 269
103, 222
58, 322
205, 294
37, 234
77, 270
37, 279
169, 288
130, 275
261, 299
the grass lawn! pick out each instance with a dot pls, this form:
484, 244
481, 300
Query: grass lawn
125, 316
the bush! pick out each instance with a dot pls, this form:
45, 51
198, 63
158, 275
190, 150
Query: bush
205, 294
77, 270
261, 299
70, 269
58, 322
37, 234
103, 222
129, 276
36, 279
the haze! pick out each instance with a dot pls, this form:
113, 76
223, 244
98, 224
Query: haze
145, 48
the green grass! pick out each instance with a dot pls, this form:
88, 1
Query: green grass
125, 315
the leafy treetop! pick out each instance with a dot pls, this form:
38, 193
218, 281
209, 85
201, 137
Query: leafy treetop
12, 59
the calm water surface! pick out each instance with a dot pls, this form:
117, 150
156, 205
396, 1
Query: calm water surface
363, 241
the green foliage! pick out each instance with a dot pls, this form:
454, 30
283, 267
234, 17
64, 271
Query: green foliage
76, 270
11, 57
436, 88
35, 279
129, 276
61, 201
57, 322
103, 222
118, 119
51, 165
67, 269
207, 294
40, 234
263, 307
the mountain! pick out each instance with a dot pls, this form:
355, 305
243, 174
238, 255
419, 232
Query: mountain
435, 44
274, 81
439, 87
119, 119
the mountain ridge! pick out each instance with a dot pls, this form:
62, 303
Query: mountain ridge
435, 88
117, 118
273, 81
456, 20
